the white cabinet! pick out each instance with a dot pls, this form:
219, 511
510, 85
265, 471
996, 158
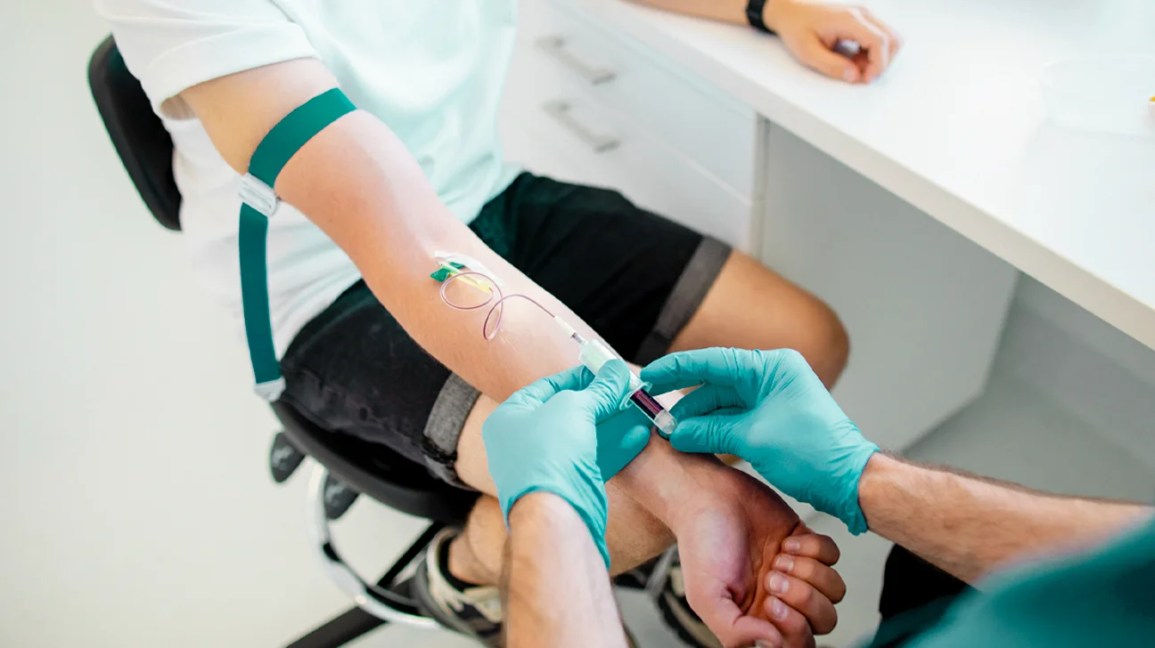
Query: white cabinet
925, 307
585, 106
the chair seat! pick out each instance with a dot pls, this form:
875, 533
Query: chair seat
377, 471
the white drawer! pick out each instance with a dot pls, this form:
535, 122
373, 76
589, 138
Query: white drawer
713, 130
570, 137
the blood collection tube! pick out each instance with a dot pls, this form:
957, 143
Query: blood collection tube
595, 353
650, 406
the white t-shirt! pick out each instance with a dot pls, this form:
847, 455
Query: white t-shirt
432, 70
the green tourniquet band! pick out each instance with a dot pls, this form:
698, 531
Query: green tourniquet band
254, 227
274, 151
292, 132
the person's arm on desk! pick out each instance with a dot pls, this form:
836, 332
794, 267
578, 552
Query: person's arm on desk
770, 409
810, 30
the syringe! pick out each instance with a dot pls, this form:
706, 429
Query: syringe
594, 353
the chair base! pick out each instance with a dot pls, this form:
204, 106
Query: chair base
376, 599
377, 604
340, 630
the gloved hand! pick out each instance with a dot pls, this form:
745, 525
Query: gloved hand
621, 437
543, 438
769, 408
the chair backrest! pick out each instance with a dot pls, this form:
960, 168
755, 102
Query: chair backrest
140, 138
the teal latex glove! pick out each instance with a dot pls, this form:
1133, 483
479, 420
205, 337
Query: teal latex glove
621, 437
769, 408
545, 438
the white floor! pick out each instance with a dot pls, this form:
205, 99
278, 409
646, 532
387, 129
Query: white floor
138, 508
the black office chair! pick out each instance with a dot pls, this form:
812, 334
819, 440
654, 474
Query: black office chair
346, 465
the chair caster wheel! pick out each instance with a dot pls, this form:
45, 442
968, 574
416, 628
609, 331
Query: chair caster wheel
284, 458
338, 498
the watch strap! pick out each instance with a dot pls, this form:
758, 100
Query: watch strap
754, 10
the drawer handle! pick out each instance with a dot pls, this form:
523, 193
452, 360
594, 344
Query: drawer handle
563, 113
555, 46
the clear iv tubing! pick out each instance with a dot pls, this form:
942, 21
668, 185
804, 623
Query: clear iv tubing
495, 306
592, 353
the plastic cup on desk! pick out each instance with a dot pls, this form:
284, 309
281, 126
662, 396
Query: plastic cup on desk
1102, 95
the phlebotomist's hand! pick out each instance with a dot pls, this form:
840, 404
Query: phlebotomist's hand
545, 438
769, 408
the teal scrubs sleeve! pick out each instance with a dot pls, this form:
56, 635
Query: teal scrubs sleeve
1103, 598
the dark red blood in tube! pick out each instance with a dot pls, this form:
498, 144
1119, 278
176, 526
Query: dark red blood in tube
646, 403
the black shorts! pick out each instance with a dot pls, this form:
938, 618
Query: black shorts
635, 277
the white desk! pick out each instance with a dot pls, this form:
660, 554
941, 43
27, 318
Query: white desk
956, 128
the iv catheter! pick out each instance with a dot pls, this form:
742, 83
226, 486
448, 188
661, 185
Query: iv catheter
453, 268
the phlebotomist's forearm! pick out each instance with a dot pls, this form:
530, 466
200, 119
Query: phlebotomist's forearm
557, 588
970, 526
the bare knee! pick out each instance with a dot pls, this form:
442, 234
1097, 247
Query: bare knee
830, 345
752, 307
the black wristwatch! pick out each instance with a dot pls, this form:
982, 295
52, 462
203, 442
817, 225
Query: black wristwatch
754, 16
